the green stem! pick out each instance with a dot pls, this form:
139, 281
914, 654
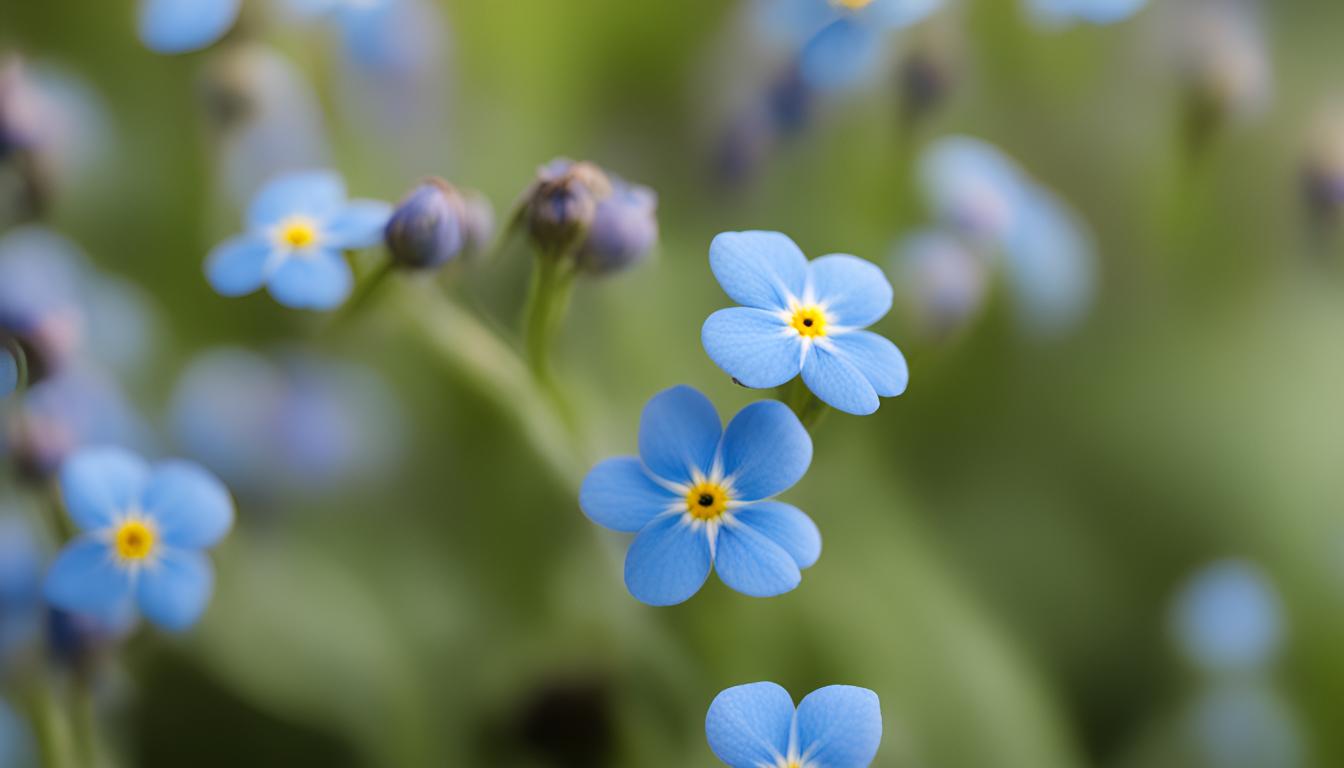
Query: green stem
366, 290
806, 406
20, 363
547, 302
51, 730
85, 719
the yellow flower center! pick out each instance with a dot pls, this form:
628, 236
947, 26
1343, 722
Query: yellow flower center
706, 500
809, 321
853, 5
134, 540
297, 232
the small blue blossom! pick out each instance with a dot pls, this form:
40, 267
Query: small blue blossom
802, 317
297, 227
697, 495
757, 726
1057, 13
143, 534
1229, 617
840, 42
181, 26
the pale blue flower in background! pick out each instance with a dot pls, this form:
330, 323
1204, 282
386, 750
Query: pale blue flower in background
757, 726
942, 280
1228, 617
1245, 724
182, 26
1057, 13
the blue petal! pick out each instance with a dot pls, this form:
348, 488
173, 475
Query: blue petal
237, 266
856, 293
748, 725
619, 494
1229, 617
98, 485
317, 280
359, 225
191, 506
318, 194
679, 434
1051, 264
174, 591
752, 564
876, 358
85, 579
179, 26
758, 269
840, 726
838, 383
754, 346
668, 561
842, 55
766, 450
787, 526
972, 186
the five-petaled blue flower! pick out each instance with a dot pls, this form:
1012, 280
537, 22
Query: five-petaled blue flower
802, 317
696, 495
841, 43
143, 532
297, 227
181, 26
756, 726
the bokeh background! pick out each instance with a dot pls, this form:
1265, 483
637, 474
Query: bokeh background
1004, 545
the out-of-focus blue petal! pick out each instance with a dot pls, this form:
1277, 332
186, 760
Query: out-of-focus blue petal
758, 269
1245, 724
752, 564
791, 23
840, 726
844, 54
1051, 264
679, 434
941, 279
238, 266
754, 346
787, 526
838, 382
1229, 617
318, 194
856, 293
895, 14
668, 561
318, 280
98, 485
180, 26
191, 506
9, 373
748, 725
359, 225
1063, 12
619, 494
879, 360
174, 591
972, 186
78, 408
766, 450
85, 579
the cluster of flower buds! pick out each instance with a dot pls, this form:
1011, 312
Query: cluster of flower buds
577, 210
436, 223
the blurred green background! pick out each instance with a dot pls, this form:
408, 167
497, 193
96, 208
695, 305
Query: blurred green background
1001, 544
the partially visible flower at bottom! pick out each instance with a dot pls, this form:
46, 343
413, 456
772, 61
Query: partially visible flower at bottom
697, 495
143, 532
756, 726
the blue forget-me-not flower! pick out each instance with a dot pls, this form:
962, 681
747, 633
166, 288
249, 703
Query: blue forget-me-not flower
840, 42
181, 26
757, 726
297, 227
1228, 617
144, 530
1057, 13
802, 317
697, 495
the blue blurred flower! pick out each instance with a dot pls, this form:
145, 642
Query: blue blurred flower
1047, 253
143, 534
757, 726
302, 426
1245, 724
840, 42
696, 495
944, 282
623, 231
1056, 13
21, 609
181, 26
75, 409
1228, 617
430, 226
802, 316
297, 227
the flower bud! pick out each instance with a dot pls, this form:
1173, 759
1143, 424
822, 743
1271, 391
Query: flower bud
562, 203
427, 229
623, 231
1323, 169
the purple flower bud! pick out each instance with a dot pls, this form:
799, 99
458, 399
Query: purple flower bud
1323, 168
562, 203
428, 228
624, 229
